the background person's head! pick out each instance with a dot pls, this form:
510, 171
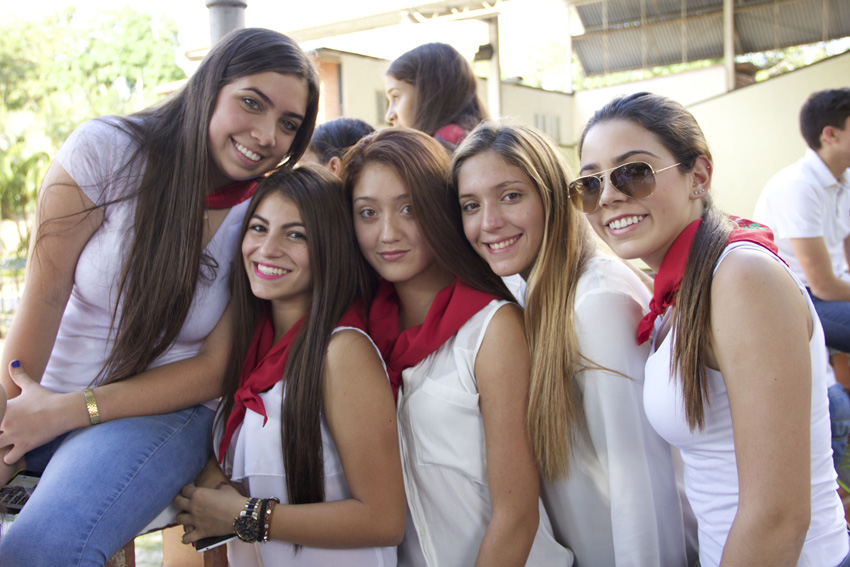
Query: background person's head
825, 121
432, 86
332, 139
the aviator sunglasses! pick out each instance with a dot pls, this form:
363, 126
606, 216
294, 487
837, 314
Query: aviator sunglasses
634, 179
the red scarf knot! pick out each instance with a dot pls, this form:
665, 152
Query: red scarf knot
451, 308
451, 133
669, 276
264, 367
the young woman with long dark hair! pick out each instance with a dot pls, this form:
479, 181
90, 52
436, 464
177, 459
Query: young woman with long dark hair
608, 481
307, 420
455, 351
736, 378
432, 88
122, 328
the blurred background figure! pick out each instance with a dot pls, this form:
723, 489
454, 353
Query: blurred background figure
432, 88
332, 139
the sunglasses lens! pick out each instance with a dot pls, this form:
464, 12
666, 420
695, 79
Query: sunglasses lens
634, 179
584, 193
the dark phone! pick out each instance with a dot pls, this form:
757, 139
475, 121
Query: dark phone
214, 541
14, 495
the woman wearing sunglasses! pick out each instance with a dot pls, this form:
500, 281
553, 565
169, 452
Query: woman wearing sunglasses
608, 478
745, 400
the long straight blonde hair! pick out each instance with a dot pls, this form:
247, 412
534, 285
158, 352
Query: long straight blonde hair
554, 411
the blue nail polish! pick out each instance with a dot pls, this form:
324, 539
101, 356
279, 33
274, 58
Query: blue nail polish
16, 363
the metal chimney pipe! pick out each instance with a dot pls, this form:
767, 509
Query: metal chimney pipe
225, 16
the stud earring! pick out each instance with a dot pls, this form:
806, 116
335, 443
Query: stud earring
699, 191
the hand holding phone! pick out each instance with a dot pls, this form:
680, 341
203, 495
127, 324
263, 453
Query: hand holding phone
14, 495
214, 541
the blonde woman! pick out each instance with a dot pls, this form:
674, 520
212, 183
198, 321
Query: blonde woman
608, 478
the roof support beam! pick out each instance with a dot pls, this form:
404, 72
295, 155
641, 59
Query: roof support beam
494, 76
729, 43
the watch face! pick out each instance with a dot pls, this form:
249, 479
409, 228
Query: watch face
247, 529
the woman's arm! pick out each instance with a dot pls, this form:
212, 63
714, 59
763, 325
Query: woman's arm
39, 415
761, 327
502, 371
360, 415
65, 221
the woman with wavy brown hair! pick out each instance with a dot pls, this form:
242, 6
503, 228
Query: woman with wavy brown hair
454, 349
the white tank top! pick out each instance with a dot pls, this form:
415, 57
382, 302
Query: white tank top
710, 467
256, 455
441, 431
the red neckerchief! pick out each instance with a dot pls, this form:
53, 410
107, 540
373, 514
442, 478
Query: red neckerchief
451, 308
233, 194
451, 133
263, 368
669, 276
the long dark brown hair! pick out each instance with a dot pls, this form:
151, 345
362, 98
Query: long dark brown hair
679, 133
334, 260
421, 163
554, 405
166, 255
446, 88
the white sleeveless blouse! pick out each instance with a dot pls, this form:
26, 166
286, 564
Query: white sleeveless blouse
255, 459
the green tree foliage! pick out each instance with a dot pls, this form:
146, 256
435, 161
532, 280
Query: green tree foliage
64, 69
20, 173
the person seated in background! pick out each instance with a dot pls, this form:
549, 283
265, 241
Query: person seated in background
807, 204
331, 140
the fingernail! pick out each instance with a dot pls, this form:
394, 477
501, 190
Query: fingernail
16, 364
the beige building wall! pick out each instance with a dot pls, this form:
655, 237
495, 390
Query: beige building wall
361, 84
687, 88
753, 132
361, 88
546, 110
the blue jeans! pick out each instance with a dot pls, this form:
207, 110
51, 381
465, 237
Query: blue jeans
835, 318
839, 418
101, 485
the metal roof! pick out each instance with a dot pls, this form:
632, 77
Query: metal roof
622, 35
381, 14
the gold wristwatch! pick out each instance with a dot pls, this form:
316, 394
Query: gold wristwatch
247, 524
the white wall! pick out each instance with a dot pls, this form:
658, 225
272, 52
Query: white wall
362, 82
754, 132
687, 88
522, 103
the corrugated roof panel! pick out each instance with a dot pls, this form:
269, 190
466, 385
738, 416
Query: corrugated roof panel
630, 10
759, 25
839, 19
